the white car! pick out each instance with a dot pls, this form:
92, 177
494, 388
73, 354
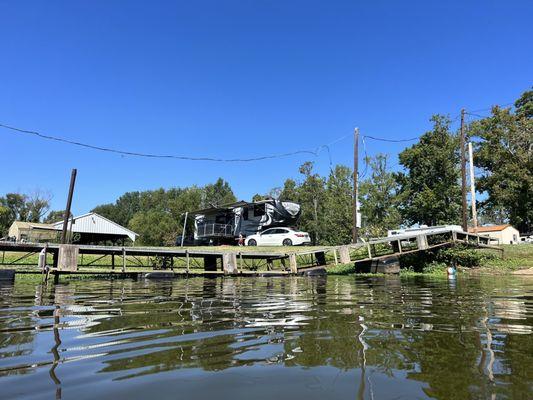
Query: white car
278, 237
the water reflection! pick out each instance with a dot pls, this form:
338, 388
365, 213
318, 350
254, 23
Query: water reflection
343, 337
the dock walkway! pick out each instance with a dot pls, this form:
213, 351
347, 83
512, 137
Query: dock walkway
135, 261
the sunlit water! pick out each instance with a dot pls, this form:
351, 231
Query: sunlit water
268, 338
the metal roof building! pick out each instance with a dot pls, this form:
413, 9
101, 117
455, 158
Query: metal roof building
93, 228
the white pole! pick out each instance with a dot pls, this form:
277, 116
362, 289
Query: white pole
184, 227
472, 187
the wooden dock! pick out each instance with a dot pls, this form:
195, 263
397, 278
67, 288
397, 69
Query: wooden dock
138, 261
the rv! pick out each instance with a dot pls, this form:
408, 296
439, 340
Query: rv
224, 224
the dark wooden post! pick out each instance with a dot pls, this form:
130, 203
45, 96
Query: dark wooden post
69, 203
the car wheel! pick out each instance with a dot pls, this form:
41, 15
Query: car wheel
287, 242
252, 242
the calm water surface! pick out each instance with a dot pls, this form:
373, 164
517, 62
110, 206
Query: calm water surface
268, 338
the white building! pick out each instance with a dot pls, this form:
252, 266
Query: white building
499, 234
93, 228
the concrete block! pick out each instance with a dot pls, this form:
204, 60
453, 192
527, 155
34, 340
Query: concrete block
68, 257
229, 263
344, 253
293, 264
422, 242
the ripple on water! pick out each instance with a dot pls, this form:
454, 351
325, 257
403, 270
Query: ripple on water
413, 335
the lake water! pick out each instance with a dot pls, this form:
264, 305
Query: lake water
268, 338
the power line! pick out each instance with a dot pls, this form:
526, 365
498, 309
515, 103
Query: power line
315, 152
392, 140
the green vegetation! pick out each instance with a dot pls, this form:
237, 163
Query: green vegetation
516, 257
429, 189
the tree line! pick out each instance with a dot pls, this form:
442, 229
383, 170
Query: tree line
426, 190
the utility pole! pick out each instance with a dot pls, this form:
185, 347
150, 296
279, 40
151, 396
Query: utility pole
355, 229
472, 187
462, 149
69, 203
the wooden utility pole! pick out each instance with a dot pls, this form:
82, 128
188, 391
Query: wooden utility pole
464, 212
355, 229
472, 187
69, 203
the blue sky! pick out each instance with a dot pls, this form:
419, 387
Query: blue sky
234, 79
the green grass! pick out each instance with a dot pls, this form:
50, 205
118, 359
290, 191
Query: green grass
515, 257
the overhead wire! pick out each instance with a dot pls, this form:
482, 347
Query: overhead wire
315, 152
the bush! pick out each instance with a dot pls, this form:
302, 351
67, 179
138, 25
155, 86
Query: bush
463, 256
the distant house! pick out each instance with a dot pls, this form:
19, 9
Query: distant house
500, 234
22, 231
92, 228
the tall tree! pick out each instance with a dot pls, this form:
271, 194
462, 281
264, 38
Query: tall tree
504, 155
289, 192
37, 205
218, 193
430, 191
311, 198
379, 198
338, 206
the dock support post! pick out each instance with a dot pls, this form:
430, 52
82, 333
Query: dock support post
123, 259
320, 258
68, 257
113, 261
187, 260
210, 263
335, 256
422, 242
293, 263
344, 252
229, 263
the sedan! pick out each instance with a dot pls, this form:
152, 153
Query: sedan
278, 237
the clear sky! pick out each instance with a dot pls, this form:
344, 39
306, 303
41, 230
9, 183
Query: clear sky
238, 79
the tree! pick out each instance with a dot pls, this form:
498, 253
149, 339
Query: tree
379, 198
218, 193
155, 227
141, 211
289, 192
429, 189
22, 207
338, 207
55, 216
37, 205
311, 198
504, 155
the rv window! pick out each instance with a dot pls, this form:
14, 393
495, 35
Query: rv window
245, 213
259, 209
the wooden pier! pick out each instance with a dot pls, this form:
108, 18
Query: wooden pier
138, 261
